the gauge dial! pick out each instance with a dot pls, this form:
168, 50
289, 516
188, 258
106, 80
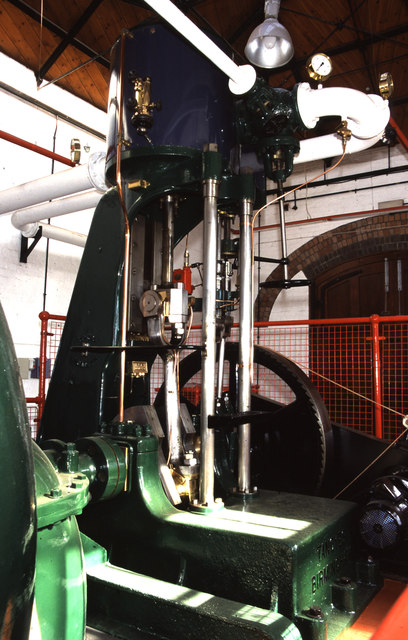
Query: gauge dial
319, 66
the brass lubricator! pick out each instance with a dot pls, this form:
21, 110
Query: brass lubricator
386, 85
142, 117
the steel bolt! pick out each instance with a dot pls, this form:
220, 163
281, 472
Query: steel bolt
343, 580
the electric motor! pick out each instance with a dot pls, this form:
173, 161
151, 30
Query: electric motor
383, 523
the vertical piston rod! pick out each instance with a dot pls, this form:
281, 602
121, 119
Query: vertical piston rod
169, 204
283, 231
245, 343
173, 420
208, 360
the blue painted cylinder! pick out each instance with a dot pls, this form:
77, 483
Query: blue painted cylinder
196, 104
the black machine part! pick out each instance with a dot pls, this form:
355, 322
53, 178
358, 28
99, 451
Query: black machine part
290, 447
384, 519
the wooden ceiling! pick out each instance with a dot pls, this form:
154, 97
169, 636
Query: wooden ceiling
363, 37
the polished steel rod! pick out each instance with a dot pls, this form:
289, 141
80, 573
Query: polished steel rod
283, 230
169, 204
208, 358
245, 344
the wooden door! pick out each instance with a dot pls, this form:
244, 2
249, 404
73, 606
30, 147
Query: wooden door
357, 288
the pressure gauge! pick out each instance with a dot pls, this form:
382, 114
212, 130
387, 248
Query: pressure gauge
319, 66
386, 85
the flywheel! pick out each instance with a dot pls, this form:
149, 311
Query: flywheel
291, 444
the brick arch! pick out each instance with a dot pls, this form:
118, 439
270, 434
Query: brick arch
386, 232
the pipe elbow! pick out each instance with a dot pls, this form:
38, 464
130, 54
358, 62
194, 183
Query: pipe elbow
367, 115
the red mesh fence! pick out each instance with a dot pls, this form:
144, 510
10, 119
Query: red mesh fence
32, 411
55, 328
348, 364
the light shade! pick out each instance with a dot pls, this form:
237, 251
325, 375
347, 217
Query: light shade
270, 45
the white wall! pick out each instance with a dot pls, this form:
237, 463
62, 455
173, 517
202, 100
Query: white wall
22, 285
346, 197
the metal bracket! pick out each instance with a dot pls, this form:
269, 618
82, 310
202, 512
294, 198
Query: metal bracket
284, 284
274, 260
232, 420
25, 250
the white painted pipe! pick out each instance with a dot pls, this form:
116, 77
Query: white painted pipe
242, 78
56, 233
64, 183
331, 146
60, 207
312, 149
366, 115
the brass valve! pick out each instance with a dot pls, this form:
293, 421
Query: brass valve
344, 132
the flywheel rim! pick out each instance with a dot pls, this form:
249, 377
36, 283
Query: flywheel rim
301, 469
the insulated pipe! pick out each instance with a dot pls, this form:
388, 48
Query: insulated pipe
366, 115
331, 145
64, 183
319, 148
245, 344
242, 78
56, 233
79, 202
208, 358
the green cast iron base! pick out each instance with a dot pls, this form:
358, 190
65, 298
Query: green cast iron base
283, 554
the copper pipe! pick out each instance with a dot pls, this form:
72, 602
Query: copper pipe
126, 260
44, 317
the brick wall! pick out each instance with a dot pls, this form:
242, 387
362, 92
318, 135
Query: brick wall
384, 232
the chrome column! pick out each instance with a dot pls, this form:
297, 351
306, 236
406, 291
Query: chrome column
245, 343
283, 229
208, 358
172, 406
170, 206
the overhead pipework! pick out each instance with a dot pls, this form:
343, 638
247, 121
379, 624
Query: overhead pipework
87, 176
366, 114
50, 196
55, 233
242, 78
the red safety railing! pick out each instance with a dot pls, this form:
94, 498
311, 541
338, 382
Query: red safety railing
51, 331
359, 366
